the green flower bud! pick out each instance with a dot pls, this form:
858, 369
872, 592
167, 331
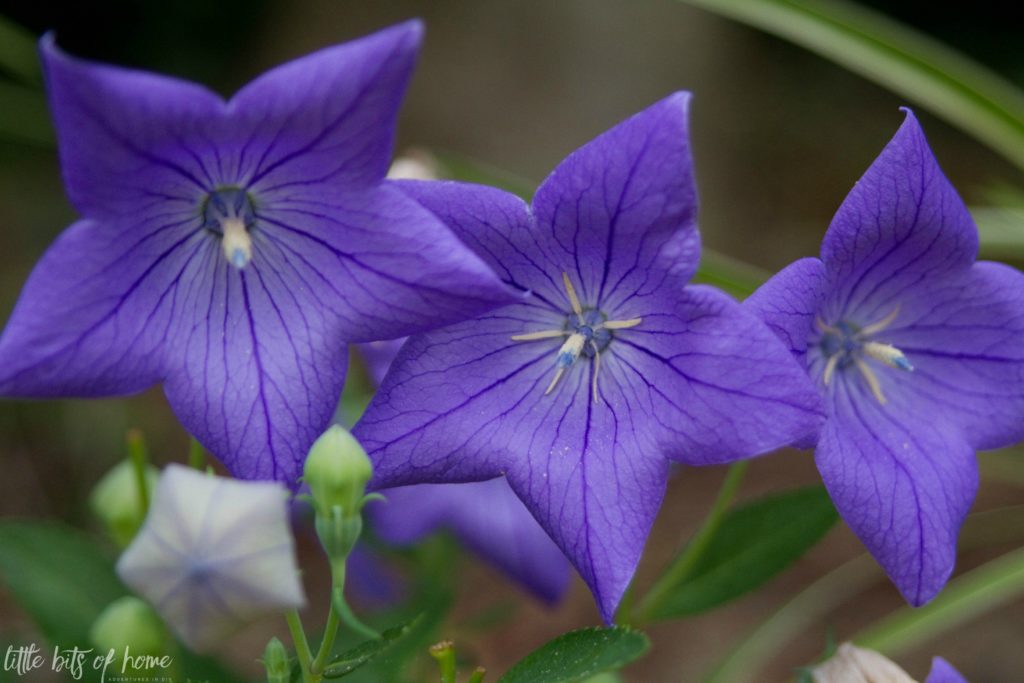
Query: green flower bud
275, 659
129, 622
336, 472
117, 503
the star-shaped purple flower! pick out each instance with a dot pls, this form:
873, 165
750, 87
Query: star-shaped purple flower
486, 515
609, 369
231, 249
916, 349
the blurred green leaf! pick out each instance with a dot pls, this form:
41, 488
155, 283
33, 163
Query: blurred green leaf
62, 579
1000, 231
734, 276
579, 654
23, 115
59, 577
898, 57
18, 55
755, 542
349, 661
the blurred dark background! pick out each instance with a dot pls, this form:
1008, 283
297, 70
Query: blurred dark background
780, 136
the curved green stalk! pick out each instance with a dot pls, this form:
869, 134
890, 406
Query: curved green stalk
302, 650
963, 599
687, 559
845, 582
898, 57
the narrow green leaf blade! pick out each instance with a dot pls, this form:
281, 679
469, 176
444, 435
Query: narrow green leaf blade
897, 57
1000, 231
353, 659
18, 56
734, 276
58, 576
23, 116
579, 654
755, 542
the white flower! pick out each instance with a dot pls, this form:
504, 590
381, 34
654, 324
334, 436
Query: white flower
213, 555
852, 664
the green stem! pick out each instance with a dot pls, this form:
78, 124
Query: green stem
301, 646
139, 458
796, 616
802, 612
196, 455
963, 599
349, 618
444, 654
331, 629
687, 559
478, 675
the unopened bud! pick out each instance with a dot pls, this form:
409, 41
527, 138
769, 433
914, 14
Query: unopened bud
129, 622
336, 472
275, 659
117, 502
857, 665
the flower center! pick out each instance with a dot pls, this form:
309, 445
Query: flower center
588, 332
228, 212
848, 345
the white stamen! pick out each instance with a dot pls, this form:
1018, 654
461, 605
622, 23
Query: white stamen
236, 242
888, 354
875, 328
597, 367
573, 299
830, 368
619, 324
873, 384
558, 376
543, 334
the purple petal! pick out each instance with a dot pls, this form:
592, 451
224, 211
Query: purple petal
97, 310
486, 516
258, 365
327, 119
901, 225
130, 140
498, 227
379, 262
466, 403
902, 480
709, 380
963, 335
789, 301
943, 672
622, 209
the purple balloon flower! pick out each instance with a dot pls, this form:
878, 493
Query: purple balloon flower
916, 349
611, 366
486, 516
231, 248
943, 672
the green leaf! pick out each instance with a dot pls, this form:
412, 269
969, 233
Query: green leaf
895, 56
349, 661
579, 654
18, 55
755, 542
58, 576
734, 276
23, 115
1000, 231
62, 579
